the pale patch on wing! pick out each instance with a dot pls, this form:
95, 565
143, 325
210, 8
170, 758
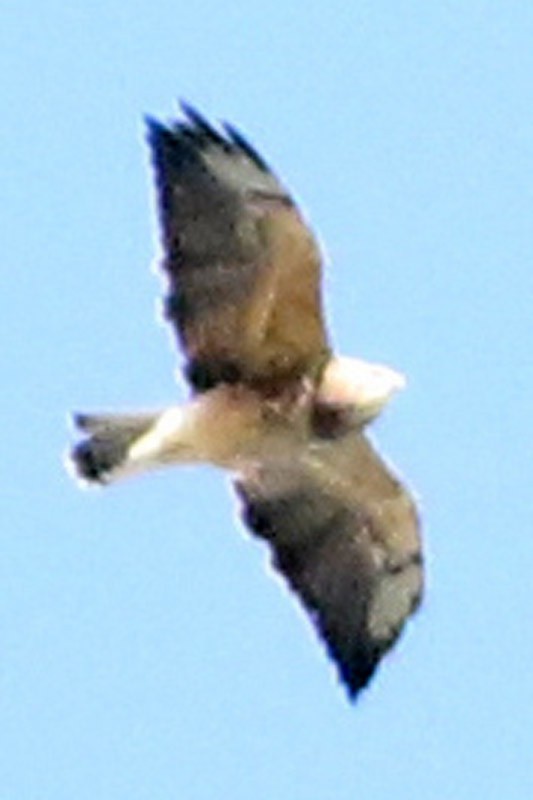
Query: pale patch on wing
344, 532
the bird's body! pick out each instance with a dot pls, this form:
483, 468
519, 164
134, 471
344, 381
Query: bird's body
271, 402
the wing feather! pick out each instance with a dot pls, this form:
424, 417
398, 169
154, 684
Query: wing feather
344, 532
243, 269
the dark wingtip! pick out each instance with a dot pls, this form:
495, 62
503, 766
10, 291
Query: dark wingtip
79, 420
197, 119
242, 143
156, 132
194, 129
356, 681
151, 123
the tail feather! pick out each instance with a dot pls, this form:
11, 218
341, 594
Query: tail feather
103, 454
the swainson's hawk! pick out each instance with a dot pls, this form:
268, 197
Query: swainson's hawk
270, 402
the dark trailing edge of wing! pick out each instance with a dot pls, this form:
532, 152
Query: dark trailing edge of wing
299, 562
324, 550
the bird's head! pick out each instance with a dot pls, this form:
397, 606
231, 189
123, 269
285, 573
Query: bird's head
361, 386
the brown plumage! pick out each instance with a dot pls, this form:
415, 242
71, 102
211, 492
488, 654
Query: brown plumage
243, 269
271, 403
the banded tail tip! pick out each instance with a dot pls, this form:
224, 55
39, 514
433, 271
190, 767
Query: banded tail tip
102, 454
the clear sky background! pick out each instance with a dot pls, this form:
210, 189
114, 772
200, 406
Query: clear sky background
145, 650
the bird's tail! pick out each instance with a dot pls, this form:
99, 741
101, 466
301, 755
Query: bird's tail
102, 455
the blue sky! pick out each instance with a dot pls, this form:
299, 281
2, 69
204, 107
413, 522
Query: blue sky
145, 651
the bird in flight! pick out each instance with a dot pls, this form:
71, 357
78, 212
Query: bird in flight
270, 400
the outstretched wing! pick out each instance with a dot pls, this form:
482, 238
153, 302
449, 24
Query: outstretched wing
243, 268
344, 532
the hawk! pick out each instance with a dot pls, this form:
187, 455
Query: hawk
270, 401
